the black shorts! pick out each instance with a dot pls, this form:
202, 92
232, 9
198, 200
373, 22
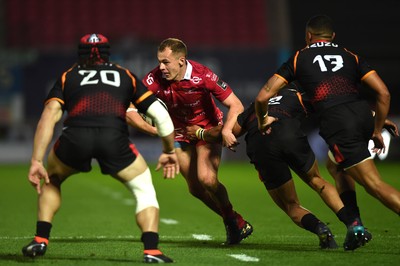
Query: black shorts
77, 146
347, 129
273, 155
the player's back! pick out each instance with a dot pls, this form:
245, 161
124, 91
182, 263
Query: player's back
97, 96
329, 74
288, 104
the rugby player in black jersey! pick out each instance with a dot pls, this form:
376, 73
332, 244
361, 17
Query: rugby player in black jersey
331, 76
285, 147
96, 93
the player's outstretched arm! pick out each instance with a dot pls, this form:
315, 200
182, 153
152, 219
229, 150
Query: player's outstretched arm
212, 135
51, 114
168, 160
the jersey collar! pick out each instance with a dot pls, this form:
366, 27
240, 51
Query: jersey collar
320, 41
189, 70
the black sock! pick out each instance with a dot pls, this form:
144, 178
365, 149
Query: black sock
346, 217
310, 223
150, 240
43, 229
350, 201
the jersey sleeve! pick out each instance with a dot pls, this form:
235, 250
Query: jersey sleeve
214, 84
246, 116
287, 70
150, 81
143, 97
56, 93
363, 67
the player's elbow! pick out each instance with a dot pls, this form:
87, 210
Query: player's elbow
260, 99
386, 96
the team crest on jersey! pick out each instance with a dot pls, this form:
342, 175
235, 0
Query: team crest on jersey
222, 84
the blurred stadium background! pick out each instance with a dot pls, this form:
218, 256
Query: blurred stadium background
243, 41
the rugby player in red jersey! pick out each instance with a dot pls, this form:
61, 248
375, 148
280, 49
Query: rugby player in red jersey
188, 89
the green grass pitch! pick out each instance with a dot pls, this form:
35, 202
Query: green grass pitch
96, 225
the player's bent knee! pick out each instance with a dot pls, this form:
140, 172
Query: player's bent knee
142, 188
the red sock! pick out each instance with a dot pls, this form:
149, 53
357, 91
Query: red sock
41, 240
153, 252
228, 212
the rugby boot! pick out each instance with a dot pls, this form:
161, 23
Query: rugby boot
34, 249
155, 256
367, 235
355, 237
326, 238
237, 229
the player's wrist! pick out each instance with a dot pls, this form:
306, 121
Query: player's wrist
36, 160
169, 152
200, 133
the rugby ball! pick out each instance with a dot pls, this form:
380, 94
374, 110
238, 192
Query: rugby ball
148, 119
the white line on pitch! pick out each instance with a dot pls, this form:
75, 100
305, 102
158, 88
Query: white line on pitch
201, 237
244, 257
168, 221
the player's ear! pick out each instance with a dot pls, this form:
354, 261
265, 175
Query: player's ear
308, 37
182, 61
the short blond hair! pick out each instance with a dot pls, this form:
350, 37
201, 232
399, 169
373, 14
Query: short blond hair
177, 46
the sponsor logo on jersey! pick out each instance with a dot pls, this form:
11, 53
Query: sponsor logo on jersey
193, 104
150, 79
196, 80
222, 84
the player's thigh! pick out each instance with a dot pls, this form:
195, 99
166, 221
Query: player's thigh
365, 173
285, 196
208, 160
137, 167
187, 158
310, 175
56, 169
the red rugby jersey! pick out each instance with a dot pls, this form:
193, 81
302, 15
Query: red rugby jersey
191, 100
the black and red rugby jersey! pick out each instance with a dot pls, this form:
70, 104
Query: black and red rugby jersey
329, 74
99, 96
289, 103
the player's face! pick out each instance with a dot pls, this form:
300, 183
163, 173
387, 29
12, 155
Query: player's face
171, 65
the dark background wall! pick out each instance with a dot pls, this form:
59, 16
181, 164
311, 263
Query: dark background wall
368, 28
243, 41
